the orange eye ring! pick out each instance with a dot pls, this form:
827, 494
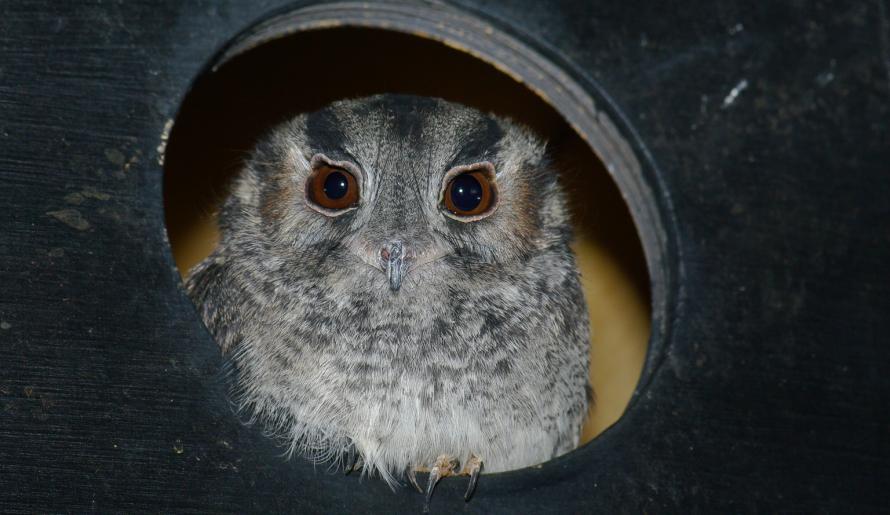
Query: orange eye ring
332, 188
470, 192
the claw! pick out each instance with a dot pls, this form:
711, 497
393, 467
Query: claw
444, 466
474, 467
412, 478
435, 476
353, 461
350, 461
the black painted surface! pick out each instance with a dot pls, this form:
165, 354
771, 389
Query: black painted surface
772, 393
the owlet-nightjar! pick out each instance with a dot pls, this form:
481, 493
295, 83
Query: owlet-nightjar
394, 281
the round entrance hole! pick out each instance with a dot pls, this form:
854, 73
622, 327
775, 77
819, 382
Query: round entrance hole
263, 81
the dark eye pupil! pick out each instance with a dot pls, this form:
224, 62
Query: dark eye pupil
466, 192
336, 185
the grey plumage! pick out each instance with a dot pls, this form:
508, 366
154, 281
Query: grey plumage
483, 348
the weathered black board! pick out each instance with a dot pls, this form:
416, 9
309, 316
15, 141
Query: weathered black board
767, 388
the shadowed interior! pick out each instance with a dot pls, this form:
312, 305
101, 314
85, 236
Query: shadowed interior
229, 109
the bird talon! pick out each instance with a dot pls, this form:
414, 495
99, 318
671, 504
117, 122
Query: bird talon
353, 461
430, 486
474, 467
445, 466
349, 460
412, 478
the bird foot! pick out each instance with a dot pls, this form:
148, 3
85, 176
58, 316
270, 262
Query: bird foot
412, 478
445, 466
472, 469
352, 461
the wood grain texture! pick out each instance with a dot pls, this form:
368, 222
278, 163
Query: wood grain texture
766, 389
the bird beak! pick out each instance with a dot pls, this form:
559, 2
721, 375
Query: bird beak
395, 263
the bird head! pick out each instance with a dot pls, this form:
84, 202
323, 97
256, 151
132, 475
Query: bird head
398, 189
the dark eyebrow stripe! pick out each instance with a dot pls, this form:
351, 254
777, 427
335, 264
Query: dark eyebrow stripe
323, 134
481, 142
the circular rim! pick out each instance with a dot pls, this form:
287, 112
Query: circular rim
585, 106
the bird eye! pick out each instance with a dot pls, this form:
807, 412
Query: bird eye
470, 195
332, 188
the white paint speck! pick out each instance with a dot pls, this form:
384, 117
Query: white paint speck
735, 29
824, 78
734, 93
162, 146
